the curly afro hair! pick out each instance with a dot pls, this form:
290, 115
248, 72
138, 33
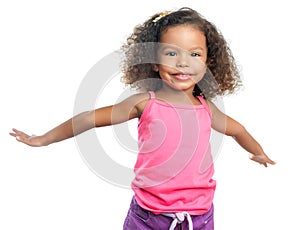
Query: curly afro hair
140, 54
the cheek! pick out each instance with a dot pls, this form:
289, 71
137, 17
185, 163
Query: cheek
166, 69
198, 67
167, 61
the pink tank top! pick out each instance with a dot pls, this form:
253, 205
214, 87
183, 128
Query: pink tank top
174, 168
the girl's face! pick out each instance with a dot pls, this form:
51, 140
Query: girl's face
182, 56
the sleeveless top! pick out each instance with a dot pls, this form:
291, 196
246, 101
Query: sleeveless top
174, 167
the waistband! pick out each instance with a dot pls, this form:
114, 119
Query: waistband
179, 217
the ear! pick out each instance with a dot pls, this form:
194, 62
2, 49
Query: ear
155, 67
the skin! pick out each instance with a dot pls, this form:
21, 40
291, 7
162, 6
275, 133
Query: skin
182, 57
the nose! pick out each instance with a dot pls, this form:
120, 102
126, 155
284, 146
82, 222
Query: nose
182, 60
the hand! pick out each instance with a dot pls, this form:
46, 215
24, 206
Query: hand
34, 141
262, 159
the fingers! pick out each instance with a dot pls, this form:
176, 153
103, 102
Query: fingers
271, 162
15, 132
19, 135
262, 159
33, 140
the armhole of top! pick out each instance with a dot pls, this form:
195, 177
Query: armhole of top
203, 102
148, 105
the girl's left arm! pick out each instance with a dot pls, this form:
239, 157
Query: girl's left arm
228, 126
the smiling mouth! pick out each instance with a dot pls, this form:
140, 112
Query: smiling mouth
182, 76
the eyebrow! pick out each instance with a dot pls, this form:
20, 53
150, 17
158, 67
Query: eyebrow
197, 48
167, 46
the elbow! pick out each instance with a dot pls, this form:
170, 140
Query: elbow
83, 122
238, 131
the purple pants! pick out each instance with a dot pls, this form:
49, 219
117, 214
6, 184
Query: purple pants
141, 219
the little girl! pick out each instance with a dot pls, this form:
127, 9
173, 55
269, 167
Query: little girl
173, 185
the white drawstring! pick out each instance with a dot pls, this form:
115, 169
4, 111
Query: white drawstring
179, 218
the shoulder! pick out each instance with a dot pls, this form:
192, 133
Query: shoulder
210, 104
138, 102
213, 108
141, 101
138, 98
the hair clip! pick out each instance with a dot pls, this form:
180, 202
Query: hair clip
163, 14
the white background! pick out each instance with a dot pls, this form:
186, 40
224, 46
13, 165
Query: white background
47, 47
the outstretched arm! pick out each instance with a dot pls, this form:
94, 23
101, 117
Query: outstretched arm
109, 115
228, 126
64, 131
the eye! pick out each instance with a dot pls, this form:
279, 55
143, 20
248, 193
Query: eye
195, 54
171, 53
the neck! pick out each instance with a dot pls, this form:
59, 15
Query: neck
176, 96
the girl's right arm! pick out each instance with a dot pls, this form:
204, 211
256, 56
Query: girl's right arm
84, 121
121, 112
